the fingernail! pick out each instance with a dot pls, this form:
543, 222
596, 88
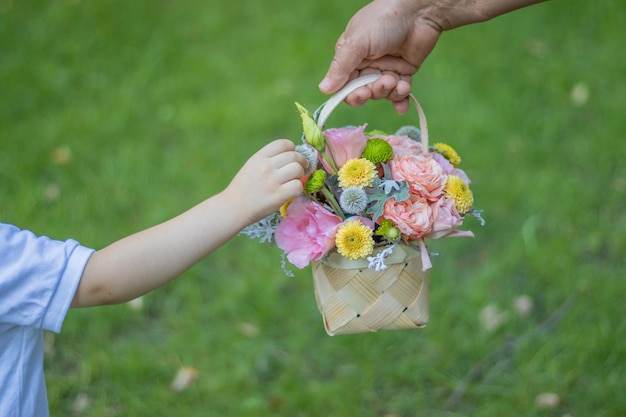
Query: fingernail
324, 84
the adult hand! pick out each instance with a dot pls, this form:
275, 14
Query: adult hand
388, 37
394, 37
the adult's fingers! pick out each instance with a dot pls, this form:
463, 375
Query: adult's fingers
359, 96
391, 86
402, 106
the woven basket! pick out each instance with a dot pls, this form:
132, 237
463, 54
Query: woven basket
356, 299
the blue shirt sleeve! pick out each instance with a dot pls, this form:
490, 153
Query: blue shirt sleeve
38, 278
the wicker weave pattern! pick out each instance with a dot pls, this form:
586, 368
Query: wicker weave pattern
363, 300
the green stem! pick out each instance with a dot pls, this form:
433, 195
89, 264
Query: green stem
330, 161
333, 164
333, 202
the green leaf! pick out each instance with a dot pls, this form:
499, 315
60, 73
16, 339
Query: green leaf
377, 197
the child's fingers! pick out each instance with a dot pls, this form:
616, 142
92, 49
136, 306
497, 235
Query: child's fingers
291, 171
286, 158
277, 146
282, 152
291, 189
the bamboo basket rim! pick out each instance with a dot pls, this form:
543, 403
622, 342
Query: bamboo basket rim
401, 253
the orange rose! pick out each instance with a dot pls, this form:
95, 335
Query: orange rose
423, 174
413, 217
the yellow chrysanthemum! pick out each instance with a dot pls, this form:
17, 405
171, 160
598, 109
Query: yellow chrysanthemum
448, 152
354, 240
283, 208
357, 172
460, 192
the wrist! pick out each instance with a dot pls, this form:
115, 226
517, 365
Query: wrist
233, 210
440, 14
451, 14
236, 208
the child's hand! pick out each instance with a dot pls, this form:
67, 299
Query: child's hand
146, 260
268, 179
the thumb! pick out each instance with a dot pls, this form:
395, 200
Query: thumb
344, 63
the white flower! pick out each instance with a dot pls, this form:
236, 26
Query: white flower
377, 262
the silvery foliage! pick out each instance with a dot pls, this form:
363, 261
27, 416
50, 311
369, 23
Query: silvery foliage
478, 215
263, 229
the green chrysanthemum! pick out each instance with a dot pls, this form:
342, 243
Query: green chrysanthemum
460, 192
388, 230
377, 150
357, 172
315, 181
448, 152
354, 240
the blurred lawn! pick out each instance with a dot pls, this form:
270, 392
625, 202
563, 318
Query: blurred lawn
117, 115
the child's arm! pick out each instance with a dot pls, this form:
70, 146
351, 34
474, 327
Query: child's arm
146, 260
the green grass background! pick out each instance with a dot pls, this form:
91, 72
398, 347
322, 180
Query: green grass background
116, 115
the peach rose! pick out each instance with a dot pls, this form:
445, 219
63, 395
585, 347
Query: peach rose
413, 217
423, 174
403, 145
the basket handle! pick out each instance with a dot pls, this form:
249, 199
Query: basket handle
324, 111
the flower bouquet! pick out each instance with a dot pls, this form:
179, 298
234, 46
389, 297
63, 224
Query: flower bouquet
370, 202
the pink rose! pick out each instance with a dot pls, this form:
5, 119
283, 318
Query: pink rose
447, 220
307, 233
423, 174
403, 145
449, 169
413, 217
346, 143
